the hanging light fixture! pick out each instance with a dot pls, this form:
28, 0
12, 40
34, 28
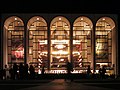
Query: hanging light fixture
60, 46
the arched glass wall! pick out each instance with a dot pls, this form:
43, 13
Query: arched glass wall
38, 49
38, 41
104, 42
60, 43
14, 34
82, 42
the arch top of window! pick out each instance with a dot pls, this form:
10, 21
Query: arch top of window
36, 21
105, 22
60, 19
83, 21
13, 21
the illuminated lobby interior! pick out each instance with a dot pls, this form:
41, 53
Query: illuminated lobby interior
53, 40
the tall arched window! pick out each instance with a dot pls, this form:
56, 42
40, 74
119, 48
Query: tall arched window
14, 34
60, 42
104, 42
82, 30
38, 50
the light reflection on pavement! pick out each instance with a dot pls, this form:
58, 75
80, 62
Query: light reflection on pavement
60, 84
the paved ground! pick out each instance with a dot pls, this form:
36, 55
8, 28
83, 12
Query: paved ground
59, 84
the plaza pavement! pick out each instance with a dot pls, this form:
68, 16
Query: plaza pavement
60, 84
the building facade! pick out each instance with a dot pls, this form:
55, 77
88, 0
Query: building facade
54, 39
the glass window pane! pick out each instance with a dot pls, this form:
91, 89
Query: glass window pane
15, 41
9, 42
37, 46
9, 50
60, 43
9, 34
103, 42
82, 51
9, 58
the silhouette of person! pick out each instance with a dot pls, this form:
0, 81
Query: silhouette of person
103, 72
21, 70
100, 72
88, 71
69, 69
43, 70
6, 72
15, 69
26, 71
11, 73
32, 72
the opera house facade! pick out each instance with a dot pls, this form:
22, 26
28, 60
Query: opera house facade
54, 39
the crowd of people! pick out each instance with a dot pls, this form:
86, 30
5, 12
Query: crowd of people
21, 71
89, 74
102, 72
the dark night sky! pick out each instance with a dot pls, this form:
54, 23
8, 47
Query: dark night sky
60, 6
